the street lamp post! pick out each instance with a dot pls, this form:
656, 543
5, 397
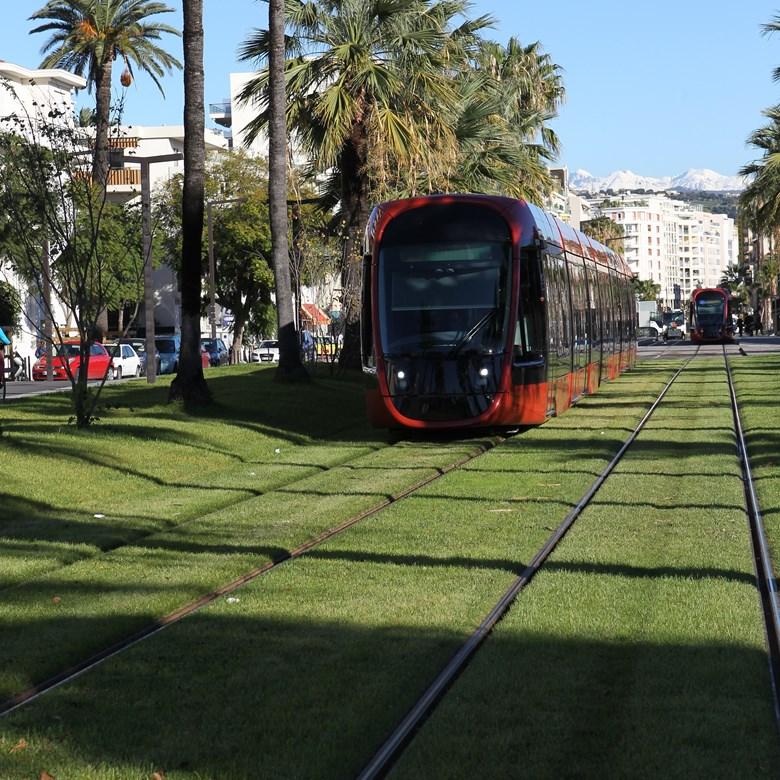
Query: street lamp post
146, 221
212, 264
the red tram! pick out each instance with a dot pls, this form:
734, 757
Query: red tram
710, 315
486, 311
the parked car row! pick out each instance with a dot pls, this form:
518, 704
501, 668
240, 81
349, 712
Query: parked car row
125, 358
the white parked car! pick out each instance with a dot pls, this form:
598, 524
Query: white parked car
125, 362
266, 352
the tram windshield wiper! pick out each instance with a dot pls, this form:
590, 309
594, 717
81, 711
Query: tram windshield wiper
472, 331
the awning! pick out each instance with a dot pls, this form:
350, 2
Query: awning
312, 313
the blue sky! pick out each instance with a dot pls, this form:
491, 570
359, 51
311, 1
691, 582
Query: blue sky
655, 87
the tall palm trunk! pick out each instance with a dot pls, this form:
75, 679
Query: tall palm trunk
100, 158
290, 366
189, 384
102, 122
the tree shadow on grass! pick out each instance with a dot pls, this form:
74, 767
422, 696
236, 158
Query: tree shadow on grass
227, 696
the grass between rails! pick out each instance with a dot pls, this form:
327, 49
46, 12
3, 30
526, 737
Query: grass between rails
304, 672
148, 466
638, 651
83, 607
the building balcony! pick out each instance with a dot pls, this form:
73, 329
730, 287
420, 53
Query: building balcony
119, 179
221, 113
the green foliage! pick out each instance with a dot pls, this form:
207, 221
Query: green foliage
237, 187
10, 305
50, 209
646, 289
605, 231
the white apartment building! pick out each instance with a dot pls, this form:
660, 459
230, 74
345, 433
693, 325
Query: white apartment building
29, 95
673, 243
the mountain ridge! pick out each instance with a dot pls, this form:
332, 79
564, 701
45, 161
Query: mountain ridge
692, 180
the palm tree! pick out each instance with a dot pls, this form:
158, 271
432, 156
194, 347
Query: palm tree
606, 231
88, 35
505, 97
759, 203
365, 76
189, 384
290, 366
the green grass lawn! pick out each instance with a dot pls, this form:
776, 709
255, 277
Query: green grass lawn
303, 672
67, 588
638, 651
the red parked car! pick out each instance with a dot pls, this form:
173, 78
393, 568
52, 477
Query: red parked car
99, 361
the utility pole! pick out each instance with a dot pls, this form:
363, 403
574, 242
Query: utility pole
47, 323
117, 161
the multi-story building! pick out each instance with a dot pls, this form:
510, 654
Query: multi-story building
29, 99
40, 97
673, 243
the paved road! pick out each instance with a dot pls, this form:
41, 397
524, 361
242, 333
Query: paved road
27, 389
751, 345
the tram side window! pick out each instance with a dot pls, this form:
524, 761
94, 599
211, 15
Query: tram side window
628, 294
529, 331
559, 351
617, 311
579, 306
366, 310
606, 312
594, 308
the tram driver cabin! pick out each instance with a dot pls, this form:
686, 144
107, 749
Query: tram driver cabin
484, 311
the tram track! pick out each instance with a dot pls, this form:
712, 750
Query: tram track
95, 659
385, 757
390, 751
765, 576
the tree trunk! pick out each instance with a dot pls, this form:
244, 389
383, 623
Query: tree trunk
354, 200
189, 384
102, 121
290, 366
238, 341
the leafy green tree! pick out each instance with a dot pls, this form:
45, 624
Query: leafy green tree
10, 305
242, 239
646, 289
58, 232
365, 75
87, 36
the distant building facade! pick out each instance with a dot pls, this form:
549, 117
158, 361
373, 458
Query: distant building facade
30, 95
673, 243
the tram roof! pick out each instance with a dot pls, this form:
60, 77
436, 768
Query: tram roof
555, 231
544, 225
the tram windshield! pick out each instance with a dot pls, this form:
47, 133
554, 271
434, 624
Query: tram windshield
449, 297
710, 308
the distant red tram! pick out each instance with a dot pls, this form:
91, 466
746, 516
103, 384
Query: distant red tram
709, 315
483, 311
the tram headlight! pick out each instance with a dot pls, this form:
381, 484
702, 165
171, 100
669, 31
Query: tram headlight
400, 380
482, 376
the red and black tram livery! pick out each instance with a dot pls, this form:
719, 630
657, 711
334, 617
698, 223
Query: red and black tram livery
487, 311
710, 315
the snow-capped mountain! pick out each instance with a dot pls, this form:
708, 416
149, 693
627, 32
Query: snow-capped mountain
699, 179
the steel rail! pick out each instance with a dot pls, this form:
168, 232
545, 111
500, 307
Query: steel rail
76, 670
385, 757
765, 577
